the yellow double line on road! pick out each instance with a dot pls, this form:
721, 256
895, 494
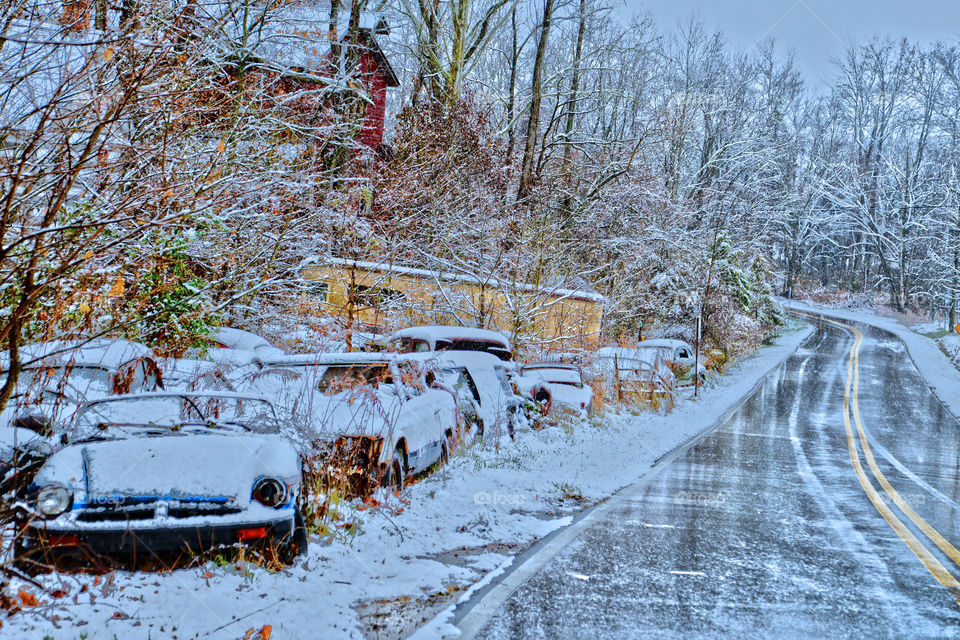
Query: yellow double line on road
851, 406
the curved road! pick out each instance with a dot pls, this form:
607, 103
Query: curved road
828, 505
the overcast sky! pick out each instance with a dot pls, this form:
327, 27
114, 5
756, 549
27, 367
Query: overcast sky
815, 29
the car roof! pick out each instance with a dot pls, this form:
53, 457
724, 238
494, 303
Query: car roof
457, 358
174, 366
632, 353
100, 352
328, 359
665, 342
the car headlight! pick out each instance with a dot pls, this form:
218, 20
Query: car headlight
52, 501
270, 492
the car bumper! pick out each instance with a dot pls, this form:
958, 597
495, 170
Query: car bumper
146, 541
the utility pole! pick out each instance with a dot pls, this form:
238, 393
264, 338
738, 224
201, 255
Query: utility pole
696, 362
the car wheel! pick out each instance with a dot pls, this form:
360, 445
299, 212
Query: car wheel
296, 543
395, 475
445, 449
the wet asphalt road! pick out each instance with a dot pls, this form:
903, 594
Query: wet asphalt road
763, 529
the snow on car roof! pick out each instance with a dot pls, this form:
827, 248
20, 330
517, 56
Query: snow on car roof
459, 358
432, 333
187, 367
237, 338
103, 352
669, 343
632, 353
326, 359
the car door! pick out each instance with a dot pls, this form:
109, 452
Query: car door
421, 419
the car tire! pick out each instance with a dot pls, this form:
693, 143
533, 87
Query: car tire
395, 476
445, 450
296, 543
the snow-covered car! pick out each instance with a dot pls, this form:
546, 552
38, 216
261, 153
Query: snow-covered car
679, 353
498, 406
236, 347
370, 416
446, 338
634, 370
459, 381
556, 386
57, 377
182, 374
166, 472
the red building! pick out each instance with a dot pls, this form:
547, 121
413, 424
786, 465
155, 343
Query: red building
293, 41
378, 76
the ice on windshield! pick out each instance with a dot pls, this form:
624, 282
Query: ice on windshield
172, 411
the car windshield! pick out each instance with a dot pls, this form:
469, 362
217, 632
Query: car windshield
71, 380
175, 411
342, 377
556, 375
484, 346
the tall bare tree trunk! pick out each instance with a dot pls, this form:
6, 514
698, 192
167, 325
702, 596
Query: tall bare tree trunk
512, 97
572, 107
533, 120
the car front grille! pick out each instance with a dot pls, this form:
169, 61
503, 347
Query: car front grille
201, 509
116, 514
125, 511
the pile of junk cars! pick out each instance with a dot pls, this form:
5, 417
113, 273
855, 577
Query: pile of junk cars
106, 449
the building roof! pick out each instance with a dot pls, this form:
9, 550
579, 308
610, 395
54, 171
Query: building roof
554, 292
297, 37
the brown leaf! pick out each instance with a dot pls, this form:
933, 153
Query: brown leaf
108, 54
116, 290
264, 633
27, 598
222, 146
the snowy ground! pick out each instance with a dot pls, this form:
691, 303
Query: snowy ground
401, 565
940, 373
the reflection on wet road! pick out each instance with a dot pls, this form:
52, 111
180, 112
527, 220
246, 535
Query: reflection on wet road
764, 529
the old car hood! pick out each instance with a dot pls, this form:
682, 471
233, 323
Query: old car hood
173, 466
350, 413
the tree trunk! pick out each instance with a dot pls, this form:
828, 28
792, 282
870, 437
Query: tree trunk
533, 121
512, 95
13, 370
572, 109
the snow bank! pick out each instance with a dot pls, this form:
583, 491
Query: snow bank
489, 503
